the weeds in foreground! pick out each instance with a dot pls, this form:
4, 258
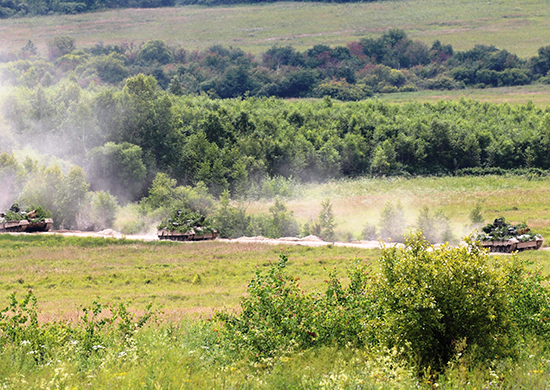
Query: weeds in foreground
98, 328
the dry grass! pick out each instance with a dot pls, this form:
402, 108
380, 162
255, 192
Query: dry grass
357, 202
519, 27
65, 278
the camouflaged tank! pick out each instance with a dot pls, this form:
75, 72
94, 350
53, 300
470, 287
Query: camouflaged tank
502, 237
16, 221
186, 225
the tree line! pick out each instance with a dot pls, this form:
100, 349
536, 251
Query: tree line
20, 8
388, 63
123, 137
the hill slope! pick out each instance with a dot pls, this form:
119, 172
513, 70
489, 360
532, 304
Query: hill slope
521, 28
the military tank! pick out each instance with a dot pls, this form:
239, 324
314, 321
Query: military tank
186, 225
14, 220
502, 237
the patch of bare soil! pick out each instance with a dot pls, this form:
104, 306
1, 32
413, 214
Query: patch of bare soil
312, 241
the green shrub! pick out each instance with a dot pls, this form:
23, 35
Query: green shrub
279, 223
392, 222
326, 221
100, 327
435, 299
231, 222
278, 317
426, 304
369, 232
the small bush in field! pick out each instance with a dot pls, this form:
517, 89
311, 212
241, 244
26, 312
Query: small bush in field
392, 222
369, 232
231, 222
435, 227
326, 220
278, 317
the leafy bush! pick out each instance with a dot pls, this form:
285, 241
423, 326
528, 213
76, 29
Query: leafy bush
278, 317
326, 221
392, 222
231, 222
102, 211
426, 304
89, 336
279, 223
369, 232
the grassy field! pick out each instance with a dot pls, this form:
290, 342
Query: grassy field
181, 350
179, 278
188, 282
197, 278
520, 28
357, 202
539, 95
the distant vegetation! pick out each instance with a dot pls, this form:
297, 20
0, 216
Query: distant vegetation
122, 138
389, 63
120, 115
18, 8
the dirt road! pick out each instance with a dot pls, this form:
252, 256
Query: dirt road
312, 241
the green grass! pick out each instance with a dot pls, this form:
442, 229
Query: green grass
180, 353
518, 27
181, 278
183, 352
539, 95
68, 272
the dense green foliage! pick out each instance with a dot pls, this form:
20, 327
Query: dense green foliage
236, 144
113, 141
428, 304
388, 63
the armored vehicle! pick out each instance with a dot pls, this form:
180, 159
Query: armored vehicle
186, 225
15, 220
506, 238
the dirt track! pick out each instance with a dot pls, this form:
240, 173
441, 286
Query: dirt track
311, 241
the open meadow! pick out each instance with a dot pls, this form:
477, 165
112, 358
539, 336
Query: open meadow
539, 95
360, 201
181, 279
520, 28
102, 288
67, 273
102, 313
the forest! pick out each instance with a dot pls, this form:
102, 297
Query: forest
119, 140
